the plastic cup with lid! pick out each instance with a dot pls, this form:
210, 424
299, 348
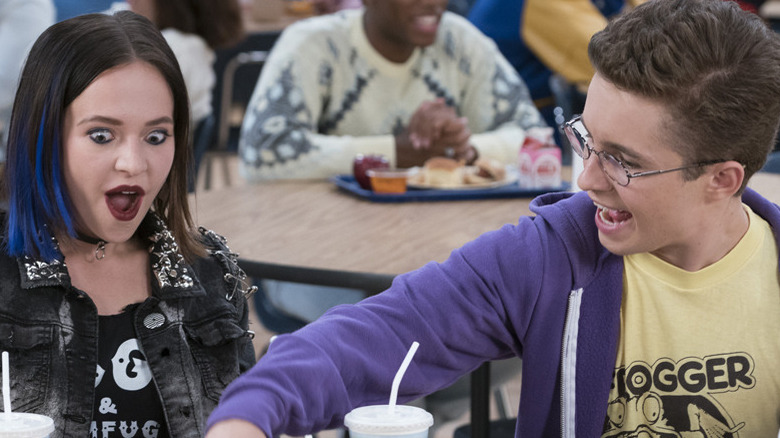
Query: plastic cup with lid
19, 424
380, 421
23, 425
390, 420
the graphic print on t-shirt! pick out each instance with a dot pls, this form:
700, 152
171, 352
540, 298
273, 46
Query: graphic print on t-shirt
126, 400
131, 372
677, 398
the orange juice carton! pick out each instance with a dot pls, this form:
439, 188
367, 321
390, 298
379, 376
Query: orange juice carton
539, 163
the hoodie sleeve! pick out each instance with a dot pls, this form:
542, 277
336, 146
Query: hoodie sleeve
474, 307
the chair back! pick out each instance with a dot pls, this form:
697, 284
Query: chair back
202, 140
242, 59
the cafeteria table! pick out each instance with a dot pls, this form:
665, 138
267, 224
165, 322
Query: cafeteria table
302, 228
312, 232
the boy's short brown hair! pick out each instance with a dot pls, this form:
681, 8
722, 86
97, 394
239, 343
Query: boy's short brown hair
714, 66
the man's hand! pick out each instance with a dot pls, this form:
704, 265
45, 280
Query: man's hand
235, 429
434, 130
427, 122
453, 140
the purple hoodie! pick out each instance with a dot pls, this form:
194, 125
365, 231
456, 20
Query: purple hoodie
545, 290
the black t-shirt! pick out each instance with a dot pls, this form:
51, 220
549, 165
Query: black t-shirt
126, 400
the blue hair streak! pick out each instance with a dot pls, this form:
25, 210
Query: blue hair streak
38, 199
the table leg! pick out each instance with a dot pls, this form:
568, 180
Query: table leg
480, 401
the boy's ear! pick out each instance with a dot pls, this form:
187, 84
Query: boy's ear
726, 178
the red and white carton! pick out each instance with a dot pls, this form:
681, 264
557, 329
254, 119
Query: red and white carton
539, 163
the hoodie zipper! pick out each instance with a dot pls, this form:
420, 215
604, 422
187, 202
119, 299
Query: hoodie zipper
569, 364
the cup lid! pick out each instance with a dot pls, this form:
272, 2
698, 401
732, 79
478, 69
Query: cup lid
378, 420
24, 425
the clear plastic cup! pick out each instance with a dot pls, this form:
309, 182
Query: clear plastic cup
388, 180
378, 421
22, 425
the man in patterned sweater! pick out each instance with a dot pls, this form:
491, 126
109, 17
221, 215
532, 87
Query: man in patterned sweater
402, 78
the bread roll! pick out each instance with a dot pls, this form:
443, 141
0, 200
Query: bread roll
443, 172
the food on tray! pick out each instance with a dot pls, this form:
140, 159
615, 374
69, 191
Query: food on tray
486, 171
441, 172
388, 180
362, 163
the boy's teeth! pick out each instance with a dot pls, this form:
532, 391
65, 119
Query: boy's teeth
605, 215
613, 216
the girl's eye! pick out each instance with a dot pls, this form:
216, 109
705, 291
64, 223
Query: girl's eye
101, 136
157, 137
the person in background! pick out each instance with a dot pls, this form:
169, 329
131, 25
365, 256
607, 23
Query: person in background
460, 7
401, 78
116, 312
21, 21
645, 304
194, 29
546, 41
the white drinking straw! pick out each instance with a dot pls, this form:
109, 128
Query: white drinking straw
6, 385
400, 374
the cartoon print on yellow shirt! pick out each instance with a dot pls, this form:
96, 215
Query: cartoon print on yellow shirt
677, 398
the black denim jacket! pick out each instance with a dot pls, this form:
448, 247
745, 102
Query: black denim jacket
193, 331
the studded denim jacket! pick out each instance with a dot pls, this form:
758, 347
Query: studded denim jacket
193, 331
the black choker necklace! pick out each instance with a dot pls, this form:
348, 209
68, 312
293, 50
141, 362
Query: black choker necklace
100, 249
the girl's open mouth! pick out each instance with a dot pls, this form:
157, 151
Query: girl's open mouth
124, 202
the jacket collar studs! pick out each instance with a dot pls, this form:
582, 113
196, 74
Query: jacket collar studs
168, 265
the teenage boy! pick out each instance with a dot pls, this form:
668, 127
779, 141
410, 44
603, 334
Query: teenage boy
649, 302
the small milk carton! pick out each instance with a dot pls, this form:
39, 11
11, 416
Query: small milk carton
539, 163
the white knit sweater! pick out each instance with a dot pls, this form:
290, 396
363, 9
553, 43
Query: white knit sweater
196, 61
325, 95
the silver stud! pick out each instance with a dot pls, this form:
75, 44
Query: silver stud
154, 320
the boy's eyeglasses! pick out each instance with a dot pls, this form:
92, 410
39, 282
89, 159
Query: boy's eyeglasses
615, 169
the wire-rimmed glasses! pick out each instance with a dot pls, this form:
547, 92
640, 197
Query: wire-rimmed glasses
615, 169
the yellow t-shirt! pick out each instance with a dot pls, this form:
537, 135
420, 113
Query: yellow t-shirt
699, 352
